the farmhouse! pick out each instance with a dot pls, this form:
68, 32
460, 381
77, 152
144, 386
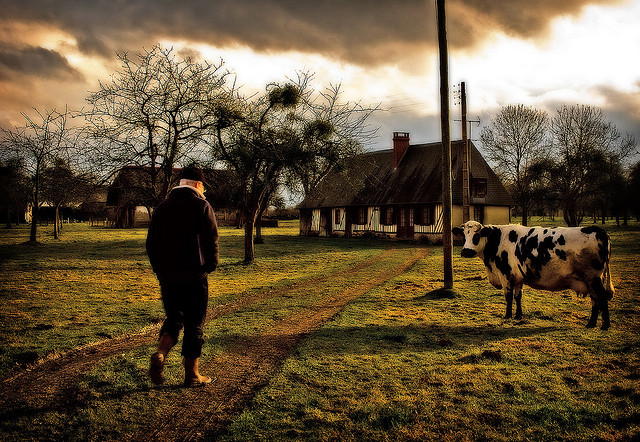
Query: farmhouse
397, 193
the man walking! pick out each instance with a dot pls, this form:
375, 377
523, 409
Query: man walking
182, 244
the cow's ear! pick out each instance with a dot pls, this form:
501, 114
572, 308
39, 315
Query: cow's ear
485, 231
457, 231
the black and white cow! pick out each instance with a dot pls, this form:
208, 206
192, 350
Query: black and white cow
553, 259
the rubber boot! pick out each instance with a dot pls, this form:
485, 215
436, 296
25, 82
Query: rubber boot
156, 365
192, 378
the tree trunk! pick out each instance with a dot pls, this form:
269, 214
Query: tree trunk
249, 223
239, 219
525, 215
56, 223
34, 224
258, 239
35, 211
571, 216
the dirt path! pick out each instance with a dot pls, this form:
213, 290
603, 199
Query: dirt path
249, 364
240, 371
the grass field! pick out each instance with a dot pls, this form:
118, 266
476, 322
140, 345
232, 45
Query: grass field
400, 362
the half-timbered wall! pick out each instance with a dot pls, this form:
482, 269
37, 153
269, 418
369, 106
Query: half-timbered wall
337, 217
374, 221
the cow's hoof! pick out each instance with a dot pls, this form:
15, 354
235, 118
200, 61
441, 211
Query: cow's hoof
604, 327
518, 317
591, 324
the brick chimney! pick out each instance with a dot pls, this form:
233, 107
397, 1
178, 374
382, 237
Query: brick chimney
400, 146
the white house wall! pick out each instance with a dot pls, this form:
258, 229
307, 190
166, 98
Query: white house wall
432, 228
342, 215
315, 220
492, 215
497, 215
373, 225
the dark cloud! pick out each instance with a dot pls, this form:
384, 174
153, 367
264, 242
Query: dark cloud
624, 110
360, 31
624, 102
527, 18
34, 62
365, 32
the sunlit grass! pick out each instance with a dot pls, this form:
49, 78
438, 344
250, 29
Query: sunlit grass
96, 283
401, 362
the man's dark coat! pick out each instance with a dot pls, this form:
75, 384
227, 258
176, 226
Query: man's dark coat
182, 242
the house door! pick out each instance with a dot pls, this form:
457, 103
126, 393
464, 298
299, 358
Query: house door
325, 222
405, 222
347, 222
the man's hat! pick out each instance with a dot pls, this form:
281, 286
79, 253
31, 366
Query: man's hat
192, 173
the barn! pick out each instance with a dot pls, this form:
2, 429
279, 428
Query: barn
397, 193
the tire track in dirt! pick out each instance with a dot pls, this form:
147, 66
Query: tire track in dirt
251, 361
46, 385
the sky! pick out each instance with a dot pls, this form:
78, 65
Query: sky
540, 53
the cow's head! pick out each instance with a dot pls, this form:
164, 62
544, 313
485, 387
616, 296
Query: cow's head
473, 234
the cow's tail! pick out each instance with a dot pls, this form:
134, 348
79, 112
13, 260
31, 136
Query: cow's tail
608, 283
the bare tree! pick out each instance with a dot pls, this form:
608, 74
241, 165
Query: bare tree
289, 134
61, 185
38, 143
154, 113
250, 141
335, 131
515, 139
586, 151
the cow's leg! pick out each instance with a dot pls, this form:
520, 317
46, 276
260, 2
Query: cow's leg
604, 306
595, 310
602, 303
508, 297
518, 296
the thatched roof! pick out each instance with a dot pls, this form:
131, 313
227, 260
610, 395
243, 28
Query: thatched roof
370, 179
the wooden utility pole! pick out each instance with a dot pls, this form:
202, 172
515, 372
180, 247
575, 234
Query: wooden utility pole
447, 244
464, 155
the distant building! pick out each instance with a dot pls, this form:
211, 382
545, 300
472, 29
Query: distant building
130, 198
397, 193
94, 208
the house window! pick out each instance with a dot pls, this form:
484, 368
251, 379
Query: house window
337, 217
362, 215
479, 187
426, 215
406, 216
387, 216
